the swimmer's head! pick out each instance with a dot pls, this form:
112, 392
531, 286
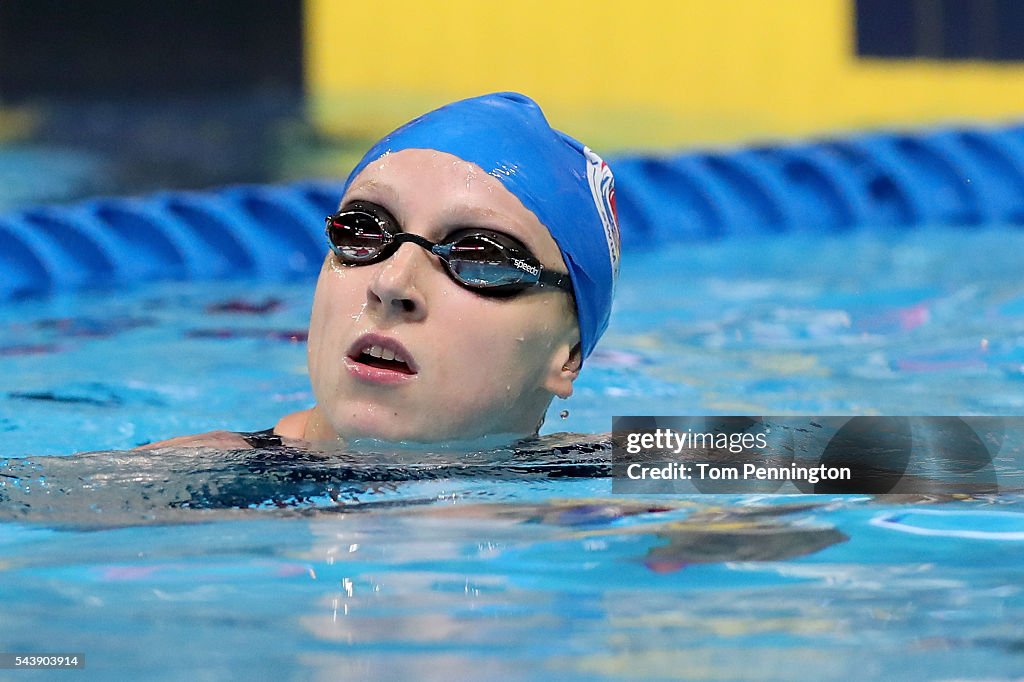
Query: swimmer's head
407, 346
558, 179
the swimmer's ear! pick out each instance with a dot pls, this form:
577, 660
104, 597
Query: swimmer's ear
575, 359
565, 367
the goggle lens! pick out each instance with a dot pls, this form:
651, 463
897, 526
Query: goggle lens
480, 261
357, 237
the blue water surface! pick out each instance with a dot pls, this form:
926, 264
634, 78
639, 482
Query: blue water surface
531, 576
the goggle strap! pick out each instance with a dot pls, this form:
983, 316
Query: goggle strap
555, 279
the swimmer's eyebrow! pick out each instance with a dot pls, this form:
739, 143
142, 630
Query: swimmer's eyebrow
469, 217
371, 190
460, 216
456, 217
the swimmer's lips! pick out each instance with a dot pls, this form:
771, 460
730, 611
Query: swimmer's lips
363, 361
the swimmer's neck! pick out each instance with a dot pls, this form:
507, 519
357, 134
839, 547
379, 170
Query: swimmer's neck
311, 426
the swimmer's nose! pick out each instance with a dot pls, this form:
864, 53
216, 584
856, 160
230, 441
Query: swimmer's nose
393, 287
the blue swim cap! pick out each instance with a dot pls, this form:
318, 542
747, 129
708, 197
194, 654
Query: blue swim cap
566, 185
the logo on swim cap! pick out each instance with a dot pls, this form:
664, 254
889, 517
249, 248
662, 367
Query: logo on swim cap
602, 187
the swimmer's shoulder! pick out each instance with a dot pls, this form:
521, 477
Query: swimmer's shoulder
293, 425
289, 428
220, 439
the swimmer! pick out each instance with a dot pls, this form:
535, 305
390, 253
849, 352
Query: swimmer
470, 272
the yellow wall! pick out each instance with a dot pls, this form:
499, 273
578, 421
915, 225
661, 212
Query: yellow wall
661, 73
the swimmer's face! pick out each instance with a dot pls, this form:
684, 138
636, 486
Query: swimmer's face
476, 365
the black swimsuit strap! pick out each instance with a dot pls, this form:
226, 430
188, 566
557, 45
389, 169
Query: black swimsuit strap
262, 439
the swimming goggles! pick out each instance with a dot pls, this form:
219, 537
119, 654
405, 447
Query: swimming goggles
487, 262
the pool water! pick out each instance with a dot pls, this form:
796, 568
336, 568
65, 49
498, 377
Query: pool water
516, 565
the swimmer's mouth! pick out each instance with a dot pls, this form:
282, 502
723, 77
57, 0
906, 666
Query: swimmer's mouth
383, 354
